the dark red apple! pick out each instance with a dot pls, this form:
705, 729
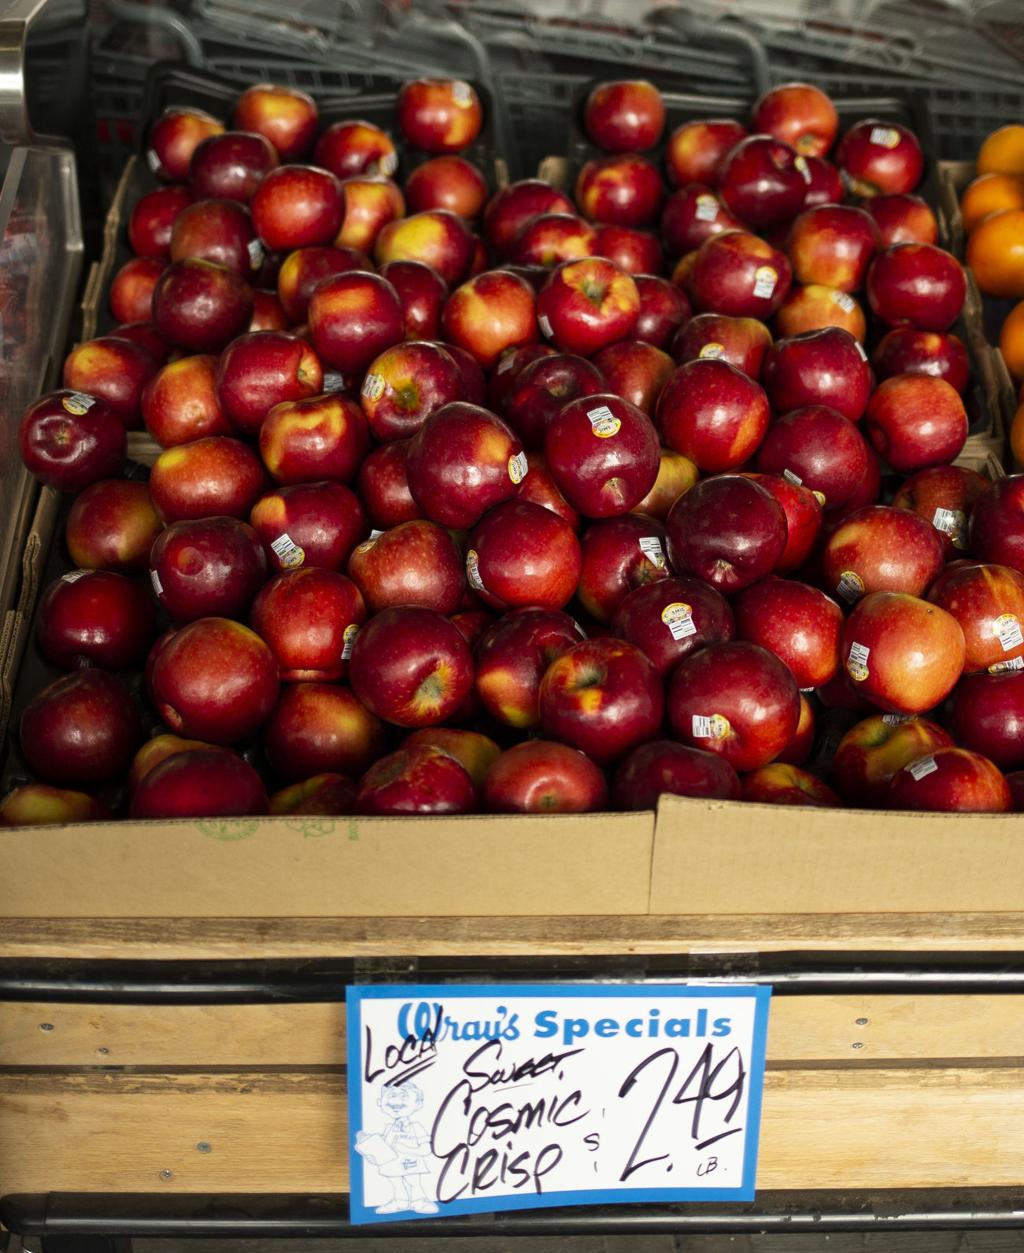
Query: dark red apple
819, 448
544, 777
803, 519
624, 116
906, 350
303, 269
320, 437
153, 215
873, 750
881, 549
383, 486
513, 206
207, 567
798, 114
111, 526
827, 367
585, 305
987, 716
988, 602
260, 370
417, 779
231, 166
422, 292
523, 554
619, 554
539, 488
112, 370
313, 524
353, 318
670, 618
620, 190
417, 563
94, 618
727, 530
916, 285
439, 115
321, 727
211, 477
542, 387
131, 288
447, 182
695, 151
783, 784
903, 219
712, 413
661, 767
218, 231
174, 137
692, 214
798, 623
664, 308
880, 157
742, 342
916, 421
69, 440
737, 274
951, 780
944, 496
298, 206
761, 183
81, 730
309, 619
512, 656
997, 524
200, 306
199, 783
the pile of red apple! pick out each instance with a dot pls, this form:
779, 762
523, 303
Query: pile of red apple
506, 502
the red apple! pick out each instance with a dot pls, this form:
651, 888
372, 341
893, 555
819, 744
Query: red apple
728, 530
551, 238
881, 549
692, 214
916, 421
626, 116
664, 308
741, 342
313, 524
371, 203
69, 440
737, 274
603, 454
288, 118
438, 238
798, 623
262, 369
131, 288
326, 795
544, 777
153, 215
474, 752
619, 554
199, 783
539, 488
542, 387
207, 567
356, 147
218, 231
231, 166
439, 115
987, 716
211, 477
761, 183
112, 370
146, 336
827, 367
383, 486
905, 654
833, 245
799, 747
490, 313
818, 447
447, 183
735, 699
298, 206
474, 385
405, 385
603, 697
321, 727
309, 619
903, 219
302, 269
620, 190
803, 519
411, 667
422, 292
174, 137
695, 151
662, 766
94, 618
673, 617
587, 304
81, 730
111, 526
676, 475
879, 157
180, 403
997, 524
988, 602
944, 496
798, 114
873, 750
353, 318
816, 306
513, 206
783, 784
320, 437
951, 780
417, 563
512, 656
916, 285
713, 413
416, 780
200, 306
907, 350
825, 184
636, 252
635, 371
523, 554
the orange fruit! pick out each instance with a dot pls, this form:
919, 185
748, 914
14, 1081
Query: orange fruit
1017, 436
1003, 151
1011, 341
995, 252
990, 193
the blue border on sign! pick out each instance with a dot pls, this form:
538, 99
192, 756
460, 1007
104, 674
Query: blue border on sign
744, 1191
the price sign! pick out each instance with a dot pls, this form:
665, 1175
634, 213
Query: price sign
474, 1099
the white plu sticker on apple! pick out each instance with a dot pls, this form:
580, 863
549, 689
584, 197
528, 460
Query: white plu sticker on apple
765, 279
374, 534
603, 422
544, 322
710, 727
333, 381
857, 662
923, 767
1007, 629
153, 161
73, 576
650, 546
790, 477
952, 522
707, 207
388, 164
158, 587
77, 403
348, 640
896, 720
373, 386
678, 617
518, 467
850, 586
711, 351
860, 350
843, 300
289, 554
256, 254
473, 570
462, 94
1001, 667
884, 136
804, 168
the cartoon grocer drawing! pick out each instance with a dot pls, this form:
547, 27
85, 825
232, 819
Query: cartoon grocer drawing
399, 1153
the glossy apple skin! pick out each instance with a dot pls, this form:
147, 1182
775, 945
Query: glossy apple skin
997, 524
475, 753
798, 750
676, 475
541, 388
111, 526
833, 245
267, 313
825, 185
821, 448
798, 114
81, 730
881, 549
511, 208
112, 370
371, 204
474, 382
664, 308
422, 292
288, 118
544, 777
405, 385
231, 166
512, 656
490, 313
624, 116
219, 231
174, 137
620, 190
906, 350
826, 367
199, 783
416, 563
436, 237
602, 465
38, 804
324, 522
798, 623
383, 486
439, 115
603, 697
751, 691
95, 618
208, 478
916, 285
320, 437
522, 554
131, 288
815, 307
353, 318
873, 750
879, 158
692, 214
961, 782
712, 413
69, 442
179, 404
672, 617
551, 238
200, 306
321, 727
321, 795
952, 490
539, 488
988, 602
804, 516
903, 219
916, 651
740, 275
635, 371
727, 530
260, 370
619, 554
309, 619
916, 421
417, 779
156, 750
636, 252
741, 342
411, 667
355, 147
662, 766
207, 568
585, 305
760, 182
505, 375
298, 206
781, 783
151, 219
986, 715
302, 269
146, 336
695, 151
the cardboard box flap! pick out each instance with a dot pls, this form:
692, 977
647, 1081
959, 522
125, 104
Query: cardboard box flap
331, 867
729, 857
